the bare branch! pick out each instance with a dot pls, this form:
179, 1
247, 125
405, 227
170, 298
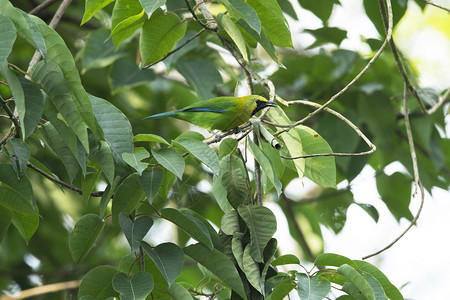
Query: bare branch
364, 70
11, 115
347, 121
53, 23
45, 289
62, 183
418, 183
436, 5
177, 49
42, 6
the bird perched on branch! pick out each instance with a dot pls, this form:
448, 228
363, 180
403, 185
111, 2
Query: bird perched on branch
222, 113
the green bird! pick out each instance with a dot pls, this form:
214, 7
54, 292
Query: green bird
222, 113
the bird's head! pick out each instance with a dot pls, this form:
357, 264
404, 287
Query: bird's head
262, 103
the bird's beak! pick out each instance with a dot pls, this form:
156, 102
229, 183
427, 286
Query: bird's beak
271, 104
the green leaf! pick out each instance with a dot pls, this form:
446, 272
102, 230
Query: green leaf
196, 230
331, 259
266, 166
230, 223
282, 288
92, 6
5, 221
136, 288
16, 193
34, 105
171, 160
36, 34
19, 154
25, 224
179, 293
151, 5
97, 283
262, 39
218, 264
370, 210
125, 75
127, 196
375, 285
262, 225
69, 138
321, 9
168, 258
235, 184
99, 52
332, 211
312, 288
391, 291
127, 17
356, 279
159, 35
151, 182
202, 75
220, 194
116, 127
239, 9
49, 76
135, 159
105, 159
58, 52
148, 137
135, 230
84, 235
291, 139
8, 36
212, 232
321, 170
325, 35
202, 152
251, 270
227, 146
107, 195
395, 191
57, 143
233, 31
273, 21
286, 259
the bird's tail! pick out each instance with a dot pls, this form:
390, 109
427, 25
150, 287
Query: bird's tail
161, 115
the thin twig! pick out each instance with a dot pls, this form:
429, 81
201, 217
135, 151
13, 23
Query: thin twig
364, 70
436, 5
60, 182
347, 121
418, 183
41, 7
177, 49
45, 289
13, 118
53, 23
207, 14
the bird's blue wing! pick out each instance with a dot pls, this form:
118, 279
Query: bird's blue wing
204, 109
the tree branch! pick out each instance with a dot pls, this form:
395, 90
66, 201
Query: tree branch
418, 183
35, 11
62, 183
13, 118
347, 121
436, 5
45, 289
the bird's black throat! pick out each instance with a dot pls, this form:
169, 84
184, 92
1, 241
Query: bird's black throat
261, 105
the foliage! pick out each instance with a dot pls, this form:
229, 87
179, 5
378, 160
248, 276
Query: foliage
75, 148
